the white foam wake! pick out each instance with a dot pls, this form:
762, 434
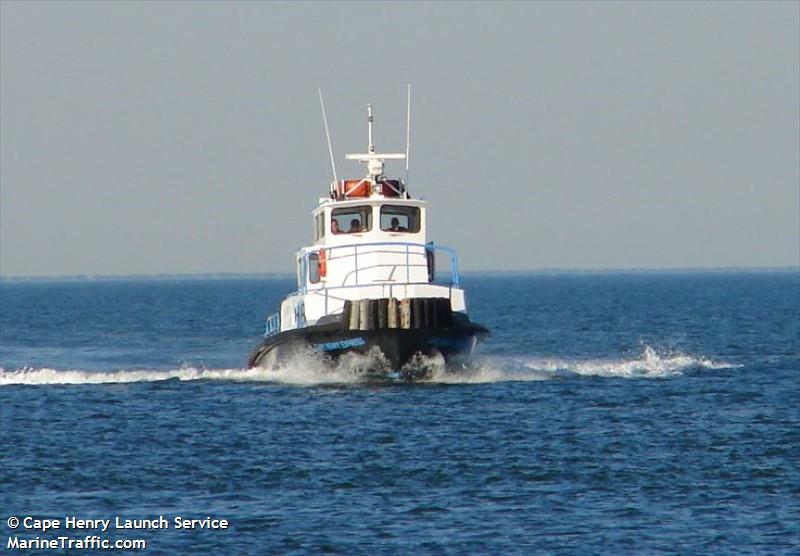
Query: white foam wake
291, 375
308, 370
649, 364
55, 376
305, 369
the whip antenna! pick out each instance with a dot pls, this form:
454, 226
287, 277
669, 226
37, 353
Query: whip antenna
328, 137
408, 131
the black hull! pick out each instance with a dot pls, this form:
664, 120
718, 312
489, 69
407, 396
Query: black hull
398, 345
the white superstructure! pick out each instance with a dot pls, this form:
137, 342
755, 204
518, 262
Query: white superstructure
370, 242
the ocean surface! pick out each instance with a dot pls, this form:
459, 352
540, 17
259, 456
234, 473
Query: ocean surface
628, 413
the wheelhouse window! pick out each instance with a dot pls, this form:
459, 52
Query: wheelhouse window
351, 220
396, 218
300, 272
319, 227
313, 268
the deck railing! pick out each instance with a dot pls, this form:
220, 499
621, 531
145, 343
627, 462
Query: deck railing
329, 292
409, 249
415, 250
273, 325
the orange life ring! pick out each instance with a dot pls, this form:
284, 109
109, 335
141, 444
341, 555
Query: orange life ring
323, 265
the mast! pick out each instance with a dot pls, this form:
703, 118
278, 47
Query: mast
328, 137
370, 119
408, 132
373, 160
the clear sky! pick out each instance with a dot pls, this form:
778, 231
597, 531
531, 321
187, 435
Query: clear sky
153, 137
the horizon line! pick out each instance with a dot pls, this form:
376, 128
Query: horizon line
274, 275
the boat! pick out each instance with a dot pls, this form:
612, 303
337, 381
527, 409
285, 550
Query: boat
370, 283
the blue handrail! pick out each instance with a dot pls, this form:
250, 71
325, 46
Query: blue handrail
273, 325
453, 260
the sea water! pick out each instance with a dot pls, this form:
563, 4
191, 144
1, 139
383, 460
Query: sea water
621, 413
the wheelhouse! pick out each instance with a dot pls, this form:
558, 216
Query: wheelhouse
369, 220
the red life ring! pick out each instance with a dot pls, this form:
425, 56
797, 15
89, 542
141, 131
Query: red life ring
323, 265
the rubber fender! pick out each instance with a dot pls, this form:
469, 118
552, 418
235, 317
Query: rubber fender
363, 319
430, 312
392, 317
383, 309
405, 313
417, 313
